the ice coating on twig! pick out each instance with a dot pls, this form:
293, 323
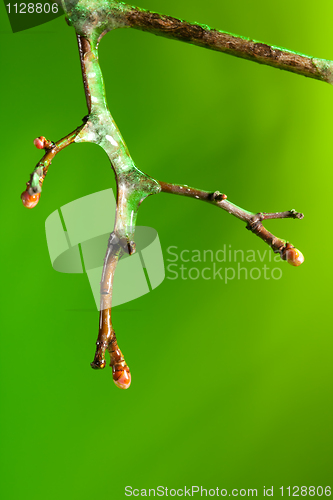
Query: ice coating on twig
133, 185
91, 19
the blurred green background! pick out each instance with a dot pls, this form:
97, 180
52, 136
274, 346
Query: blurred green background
231, 384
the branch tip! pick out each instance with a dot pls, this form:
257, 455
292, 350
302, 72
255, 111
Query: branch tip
34, 186
292, 255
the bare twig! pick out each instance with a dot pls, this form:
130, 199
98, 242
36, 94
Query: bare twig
253, 220
94, 22
222, 41
31, 195
91, 20
106, 337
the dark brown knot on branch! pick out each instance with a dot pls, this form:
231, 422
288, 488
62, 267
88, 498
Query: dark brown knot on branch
128, 246
217, 196
255, 222
295, 215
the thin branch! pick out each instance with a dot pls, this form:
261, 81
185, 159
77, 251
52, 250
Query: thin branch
290, 214
253, 220
222, 41
31, 195
95, 20
107, 340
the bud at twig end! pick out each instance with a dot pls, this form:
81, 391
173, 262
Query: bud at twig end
292, 255
122, 378
28, 200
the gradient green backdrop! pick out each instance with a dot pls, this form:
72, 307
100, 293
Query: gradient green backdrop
231, 384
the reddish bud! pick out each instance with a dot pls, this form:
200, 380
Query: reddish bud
28, 200
40, 142
294, 257
122, 378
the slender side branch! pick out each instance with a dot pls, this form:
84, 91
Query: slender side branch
290, 214
253, 220
107, 340
222, 41
31, 195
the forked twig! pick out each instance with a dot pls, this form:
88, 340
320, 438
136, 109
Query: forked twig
106, 337
91, 20
31, 195
254, 220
